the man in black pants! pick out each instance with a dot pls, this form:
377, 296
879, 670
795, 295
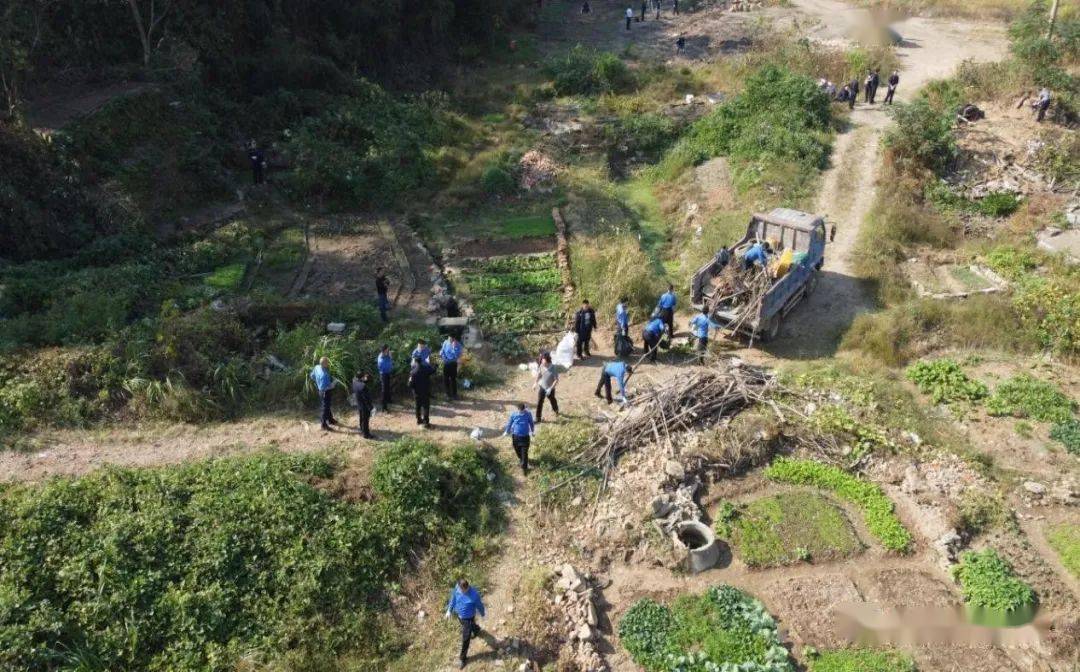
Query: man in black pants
420, 382
676, 7
465, 603
584, 322
853, 87
450, 354
894, 79
385, 364
258, 162
364, 404
382, 288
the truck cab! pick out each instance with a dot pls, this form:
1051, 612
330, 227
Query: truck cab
800, 232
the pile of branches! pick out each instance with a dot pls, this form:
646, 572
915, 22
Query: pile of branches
736, 288
700, 399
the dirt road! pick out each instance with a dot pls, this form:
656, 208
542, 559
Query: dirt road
930, 49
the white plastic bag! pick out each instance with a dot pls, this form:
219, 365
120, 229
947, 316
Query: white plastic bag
564, 352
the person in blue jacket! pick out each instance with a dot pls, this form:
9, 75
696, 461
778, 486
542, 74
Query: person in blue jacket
324, 383
758, 254
666, 308
651, 335
621, 372
622, 317
385, 363
422, 351
450, 353
699, 327
465, 603
521, 427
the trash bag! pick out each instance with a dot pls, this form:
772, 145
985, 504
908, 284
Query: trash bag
624, 347
564, 352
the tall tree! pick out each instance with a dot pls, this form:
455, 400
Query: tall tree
148, 15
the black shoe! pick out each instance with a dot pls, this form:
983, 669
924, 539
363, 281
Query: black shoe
461, 664
369, 436
598, 395
325, 428
419, 421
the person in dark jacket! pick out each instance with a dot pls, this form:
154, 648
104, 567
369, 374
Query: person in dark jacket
364, 405
894, 80
584, 323
651, 335
521, 427
420, 381
465, 603
258, 162
644, 8
853, 89
382, 289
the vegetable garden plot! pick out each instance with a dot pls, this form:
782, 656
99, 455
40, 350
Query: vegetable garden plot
515, 295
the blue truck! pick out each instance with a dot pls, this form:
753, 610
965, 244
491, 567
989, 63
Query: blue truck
727, 294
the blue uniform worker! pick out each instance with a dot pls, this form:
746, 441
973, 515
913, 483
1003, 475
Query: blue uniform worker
666, 308
651, 335
622, 318
618, 370
465, 603
385, 363
521, 427
450, 353
422, 351
699, 327
324, 383
757, 254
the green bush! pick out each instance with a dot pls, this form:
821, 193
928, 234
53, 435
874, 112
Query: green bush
945, 381
921, 138
648, 133
721, 629
861, 660
777, 127
988, 581
1068, 433
1025, 396
584, 71
220, 558
877, 508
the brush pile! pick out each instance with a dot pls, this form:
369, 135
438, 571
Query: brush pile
741, 291
702, 398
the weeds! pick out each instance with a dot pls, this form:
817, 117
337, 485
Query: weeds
1025, 396
861, 660
1068, 434
1065, 540
788, 528
945, 381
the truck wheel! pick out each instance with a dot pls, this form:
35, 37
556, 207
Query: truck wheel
773, 331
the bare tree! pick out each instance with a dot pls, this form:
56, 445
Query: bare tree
21, 29
148, 15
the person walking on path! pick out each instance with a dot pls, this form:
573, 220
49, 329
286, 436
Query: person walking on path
894, 80
699, 326
832, 232
385, 364
676, 7
420, 381
364, 405
465, 603
1042, 104
521, 427
666, 306
422, 351
584, 323
644, 8
450, 354
656, 3
622, 317
621, 372
651, 335
382, 289
324, 383
853, 89
585, 9
629, 17
547, 378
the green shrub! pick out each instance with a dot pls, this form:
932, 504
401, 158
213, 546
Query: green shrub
584, 71
778, 126
1025, 396
720, 629
1068, 433
877, 508
221, 558
988, 581
861, 660
945, 381
921, 138
648, 133
995, 204
1012, 262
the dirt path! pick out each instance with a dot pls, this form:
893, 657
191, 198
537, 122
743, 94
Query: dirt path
53, 109
930, 49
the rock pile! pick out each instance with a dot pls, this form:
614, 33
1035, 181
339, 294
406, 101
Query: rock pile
575, 596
